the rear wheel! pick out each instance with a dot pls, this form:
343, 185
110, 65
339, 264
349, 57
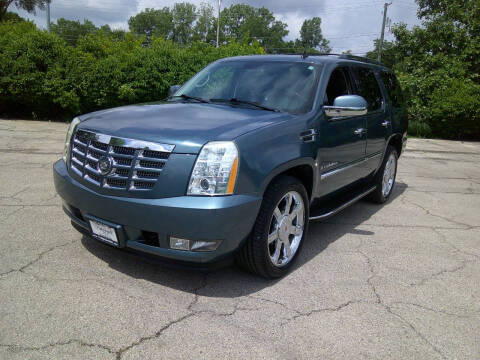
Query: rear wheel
385, 178
279, 230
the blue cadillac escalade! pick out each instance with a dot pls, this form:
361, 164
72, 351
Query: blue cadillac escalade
238, 160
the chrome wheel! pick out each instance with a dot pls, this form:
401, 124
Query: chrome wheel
286, 228
389, 175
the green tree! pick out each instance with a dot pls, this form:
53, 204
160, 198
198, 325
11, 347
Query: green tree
184, 15
244, 23
205, 26
312, 37
152, 22
28, 5
438, 64
70, 30
389, 52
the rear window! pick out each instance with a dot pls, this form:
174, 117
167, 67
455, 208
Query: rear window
367, 85
393, 88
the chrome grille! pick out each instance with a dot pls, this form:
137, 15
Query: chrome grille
135, 164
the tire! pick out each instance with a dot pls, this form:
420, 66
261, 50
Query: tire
383, 191
277, 235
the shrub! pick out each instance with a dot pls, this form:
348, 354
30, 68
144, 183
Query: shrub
419, 129
41, 74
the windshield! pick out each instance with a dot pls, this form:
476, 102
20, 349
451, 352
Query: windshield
274, 85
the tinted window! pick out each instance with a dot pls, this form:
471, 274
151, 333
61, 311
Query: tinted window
286, 86
393, 88
368, 87
338, 85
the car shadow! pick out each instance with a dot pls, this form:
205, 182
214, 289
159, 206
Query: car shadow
231, 281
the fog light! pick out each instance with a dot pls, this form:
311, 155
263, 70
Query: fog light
179, 244
205, 245
193, 245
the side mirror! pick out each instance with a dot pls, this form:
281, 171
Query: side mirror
347, 106
173, 89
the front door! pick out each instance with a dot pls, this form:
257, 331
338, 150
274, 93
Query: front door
377, 120
342, 140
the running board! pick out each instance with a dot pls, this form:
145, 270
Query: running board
333, 211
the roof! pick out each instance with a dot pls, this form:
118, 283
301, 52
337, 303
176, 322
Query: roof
318, 59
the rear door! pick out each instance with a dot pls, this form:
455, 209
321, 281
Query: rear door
378, 122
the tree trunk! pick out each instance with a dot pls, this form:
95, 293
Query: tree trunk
4, 4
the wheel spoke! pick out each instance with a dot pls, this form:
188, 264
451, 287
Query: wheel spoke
287, 251
276, 254
288, 204
297, 230
272, 237
278, 214
286, 230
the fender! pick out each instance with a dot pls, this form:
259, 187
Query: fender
287, 166
385, 151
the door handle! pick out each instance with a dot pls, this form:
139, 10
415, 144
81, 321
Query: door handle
359, 132
386, 123
309, 136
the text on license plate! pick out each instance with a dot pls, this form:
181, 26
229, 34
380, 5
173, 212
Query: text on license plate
104, 232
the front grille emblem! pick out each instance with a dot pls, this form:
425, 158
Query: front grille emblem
105, 164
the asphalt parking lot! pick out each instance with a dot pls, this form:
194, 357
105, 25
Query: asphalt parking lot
399, 281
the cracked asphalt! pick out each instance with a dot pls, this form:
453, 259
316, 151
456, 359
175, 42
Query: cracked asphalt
399, 281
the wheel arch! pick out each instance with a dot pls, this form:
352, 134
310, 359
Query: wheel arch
396, 140
301, 169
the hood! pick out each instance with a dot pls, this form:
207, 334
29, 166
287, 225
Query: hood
188, 126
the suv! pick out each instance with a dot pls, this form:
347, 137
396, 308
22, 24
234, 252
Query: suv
237, 161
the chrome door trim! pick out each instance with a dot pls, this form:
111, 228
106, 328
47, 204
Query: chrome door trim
336, 112
349, 166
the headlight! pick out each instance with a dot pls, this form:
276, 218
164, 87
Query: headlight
215, 171
71, 129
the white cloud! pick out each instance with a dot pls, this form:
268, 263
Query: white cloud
349, 25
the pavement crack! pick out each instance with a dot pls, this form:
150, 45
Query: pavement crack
387, 307
158, 333
275, 302
37, 259
328, 309
428, 212
440, 273
432, 310
444, 240
20, 348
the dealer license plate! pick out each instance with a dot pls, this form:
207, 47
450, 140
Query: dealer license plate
104, 233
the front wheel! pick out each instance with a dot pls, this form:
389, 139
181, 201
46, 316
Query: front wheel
279, 230
385, 178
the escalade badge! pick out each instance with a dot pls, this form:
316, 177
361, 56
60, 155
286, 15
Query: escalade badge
105, 165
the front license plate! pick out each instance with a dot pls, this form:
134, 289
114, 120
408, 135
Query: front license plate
104, 233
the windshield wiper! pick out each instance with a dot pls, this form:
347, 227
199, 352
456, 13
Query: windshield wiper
246, 102
188, 97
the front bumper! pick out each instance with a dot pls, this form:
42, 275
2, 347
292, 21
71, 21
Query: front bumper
226, 218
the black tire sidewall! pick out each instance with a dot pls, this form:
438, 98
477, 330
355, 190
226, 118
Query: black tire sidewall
378, 194
262, 226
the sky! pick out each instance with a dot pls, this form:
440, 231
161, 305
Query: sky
348, 24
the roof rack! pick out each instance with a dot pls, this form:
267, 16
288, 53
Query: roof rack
305, 54
352, 57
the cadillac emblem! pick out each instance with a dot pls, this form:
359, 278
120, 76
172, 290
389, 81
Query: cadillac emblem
105, 165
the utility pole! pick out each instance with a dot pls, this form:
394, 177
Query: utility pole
382, 37
48, 15
218, 20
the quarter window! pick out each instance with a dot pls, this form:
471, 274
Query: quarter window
367, 85
393, 88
